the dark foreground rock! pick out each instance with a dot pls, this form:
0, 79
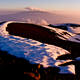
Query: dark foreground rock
13, 68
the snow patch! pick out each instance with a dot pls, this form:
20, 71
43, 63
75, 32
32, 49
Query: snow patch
68, 69
75, 30
65, 35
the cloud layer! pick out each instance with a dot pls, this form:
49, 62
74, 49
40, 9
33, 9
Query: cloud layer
34, 9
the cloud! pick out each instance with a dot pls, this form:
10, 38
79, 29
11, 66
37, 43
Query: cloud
43, 22
39, 22
30, 21
34, 9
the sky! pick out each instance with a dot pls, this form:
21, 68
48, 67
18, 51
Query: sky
71, 5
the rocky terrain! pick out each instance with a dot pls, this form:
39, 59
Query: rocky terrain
12, 67
16, 40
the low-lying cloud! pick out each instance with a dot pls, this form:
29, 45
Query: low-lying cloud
40, 22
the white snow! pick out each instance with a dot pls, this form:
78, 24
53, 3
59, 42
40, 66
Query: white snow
67, 36
75, 30
72, 29
67, 69
34, 51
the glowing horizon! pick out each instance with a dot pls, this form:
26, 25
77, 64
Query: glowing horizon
64, 7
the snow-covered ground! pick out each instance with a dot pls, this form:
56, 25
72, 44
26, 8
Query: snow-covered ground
35, 51
73, 28
65, 35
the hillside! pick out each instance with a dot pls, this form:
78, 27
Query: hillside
43, 45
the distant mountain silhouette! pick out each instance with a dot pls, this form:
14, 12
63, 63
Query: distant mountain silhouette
36, 15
